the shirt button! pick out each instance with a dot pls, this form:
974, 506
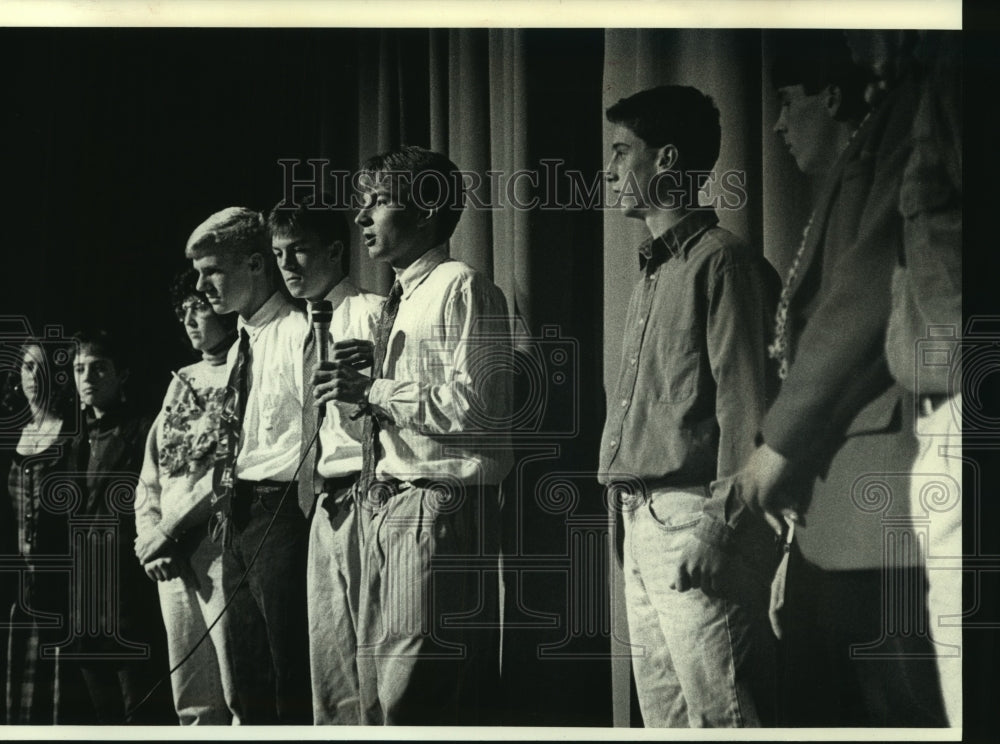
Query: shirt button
642, 319
633, 360
613, 443
624, 402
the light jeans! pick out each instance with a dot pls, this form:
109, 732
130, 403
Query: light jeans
332, 586
936, 499
698, 661
202, 688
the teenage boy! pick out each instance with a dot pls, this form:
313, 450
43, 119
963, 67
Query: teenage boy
310, 245
108, 454
691, 390
436, 450
264, 533
838, 440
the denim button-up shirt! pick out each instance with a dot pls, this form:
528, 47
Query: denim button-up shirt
694, 380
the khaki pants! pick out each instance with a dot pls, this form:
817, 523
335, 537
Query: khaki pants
334, 575
428, 631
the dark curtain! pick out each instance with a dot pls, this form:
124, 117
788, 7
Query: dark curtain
117, 143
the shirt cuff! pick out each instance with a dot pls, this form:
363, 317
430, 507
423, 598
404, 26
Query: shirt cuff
379, 396
166, 533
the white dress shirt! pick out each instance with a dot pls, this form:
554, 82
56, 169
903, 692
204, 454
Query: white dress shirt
272, 424
446, 384
355, 315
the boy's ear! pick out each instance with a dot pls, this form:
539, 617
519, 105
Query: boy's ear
833, 97
336, 249
667, 157
425, 217
256, 263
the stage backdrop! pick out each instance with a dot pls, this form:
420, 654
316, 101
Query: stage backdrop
117, 143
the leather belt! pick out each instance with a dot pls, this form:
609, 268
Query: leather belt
262, 489
382, 490
333, 485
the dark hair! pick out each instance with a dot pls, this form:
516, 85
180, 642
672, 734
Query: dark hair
61, 391
326, 223
438, 181
677, 115
816, 59
184, 285
104, 344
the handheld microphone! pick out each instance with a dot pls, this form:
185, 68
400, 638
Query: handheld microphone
320, 314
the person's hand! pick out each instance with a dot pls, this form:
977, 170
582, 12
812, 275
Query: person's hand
764, 483
166, 568
152, 544
340, 382
354, 352
702, 566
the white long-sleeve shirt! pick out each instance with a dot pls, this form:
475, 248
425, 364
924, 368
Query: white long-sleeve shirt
446, 385
272, 423
355, 316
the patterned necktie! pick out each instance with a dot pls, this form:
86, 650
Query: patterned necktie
369, 439
231, 421
307, 488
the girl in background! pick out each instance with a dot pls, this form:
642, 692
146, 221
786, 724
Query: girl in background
39, 402
172, 510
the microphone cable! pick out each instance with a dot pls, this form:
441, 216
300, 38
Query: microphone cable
320, 316
239, 585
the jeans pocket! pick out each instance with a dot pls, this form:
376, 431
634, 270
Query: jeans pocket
675, 511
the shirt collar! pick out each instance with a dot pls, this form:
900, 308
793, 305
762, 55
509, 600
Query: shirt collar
265, 314
413, 275
111, 418
677, 240
340, 292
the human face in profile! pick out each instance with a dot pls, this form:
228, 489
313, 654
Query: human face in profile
806, 126
393, 230
631, 172
225, 280
204, 328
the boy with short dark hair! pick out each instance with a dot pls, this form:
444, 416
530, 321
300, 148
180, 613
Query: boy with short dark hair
438, 410
110, 447
691, 390
310, 245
